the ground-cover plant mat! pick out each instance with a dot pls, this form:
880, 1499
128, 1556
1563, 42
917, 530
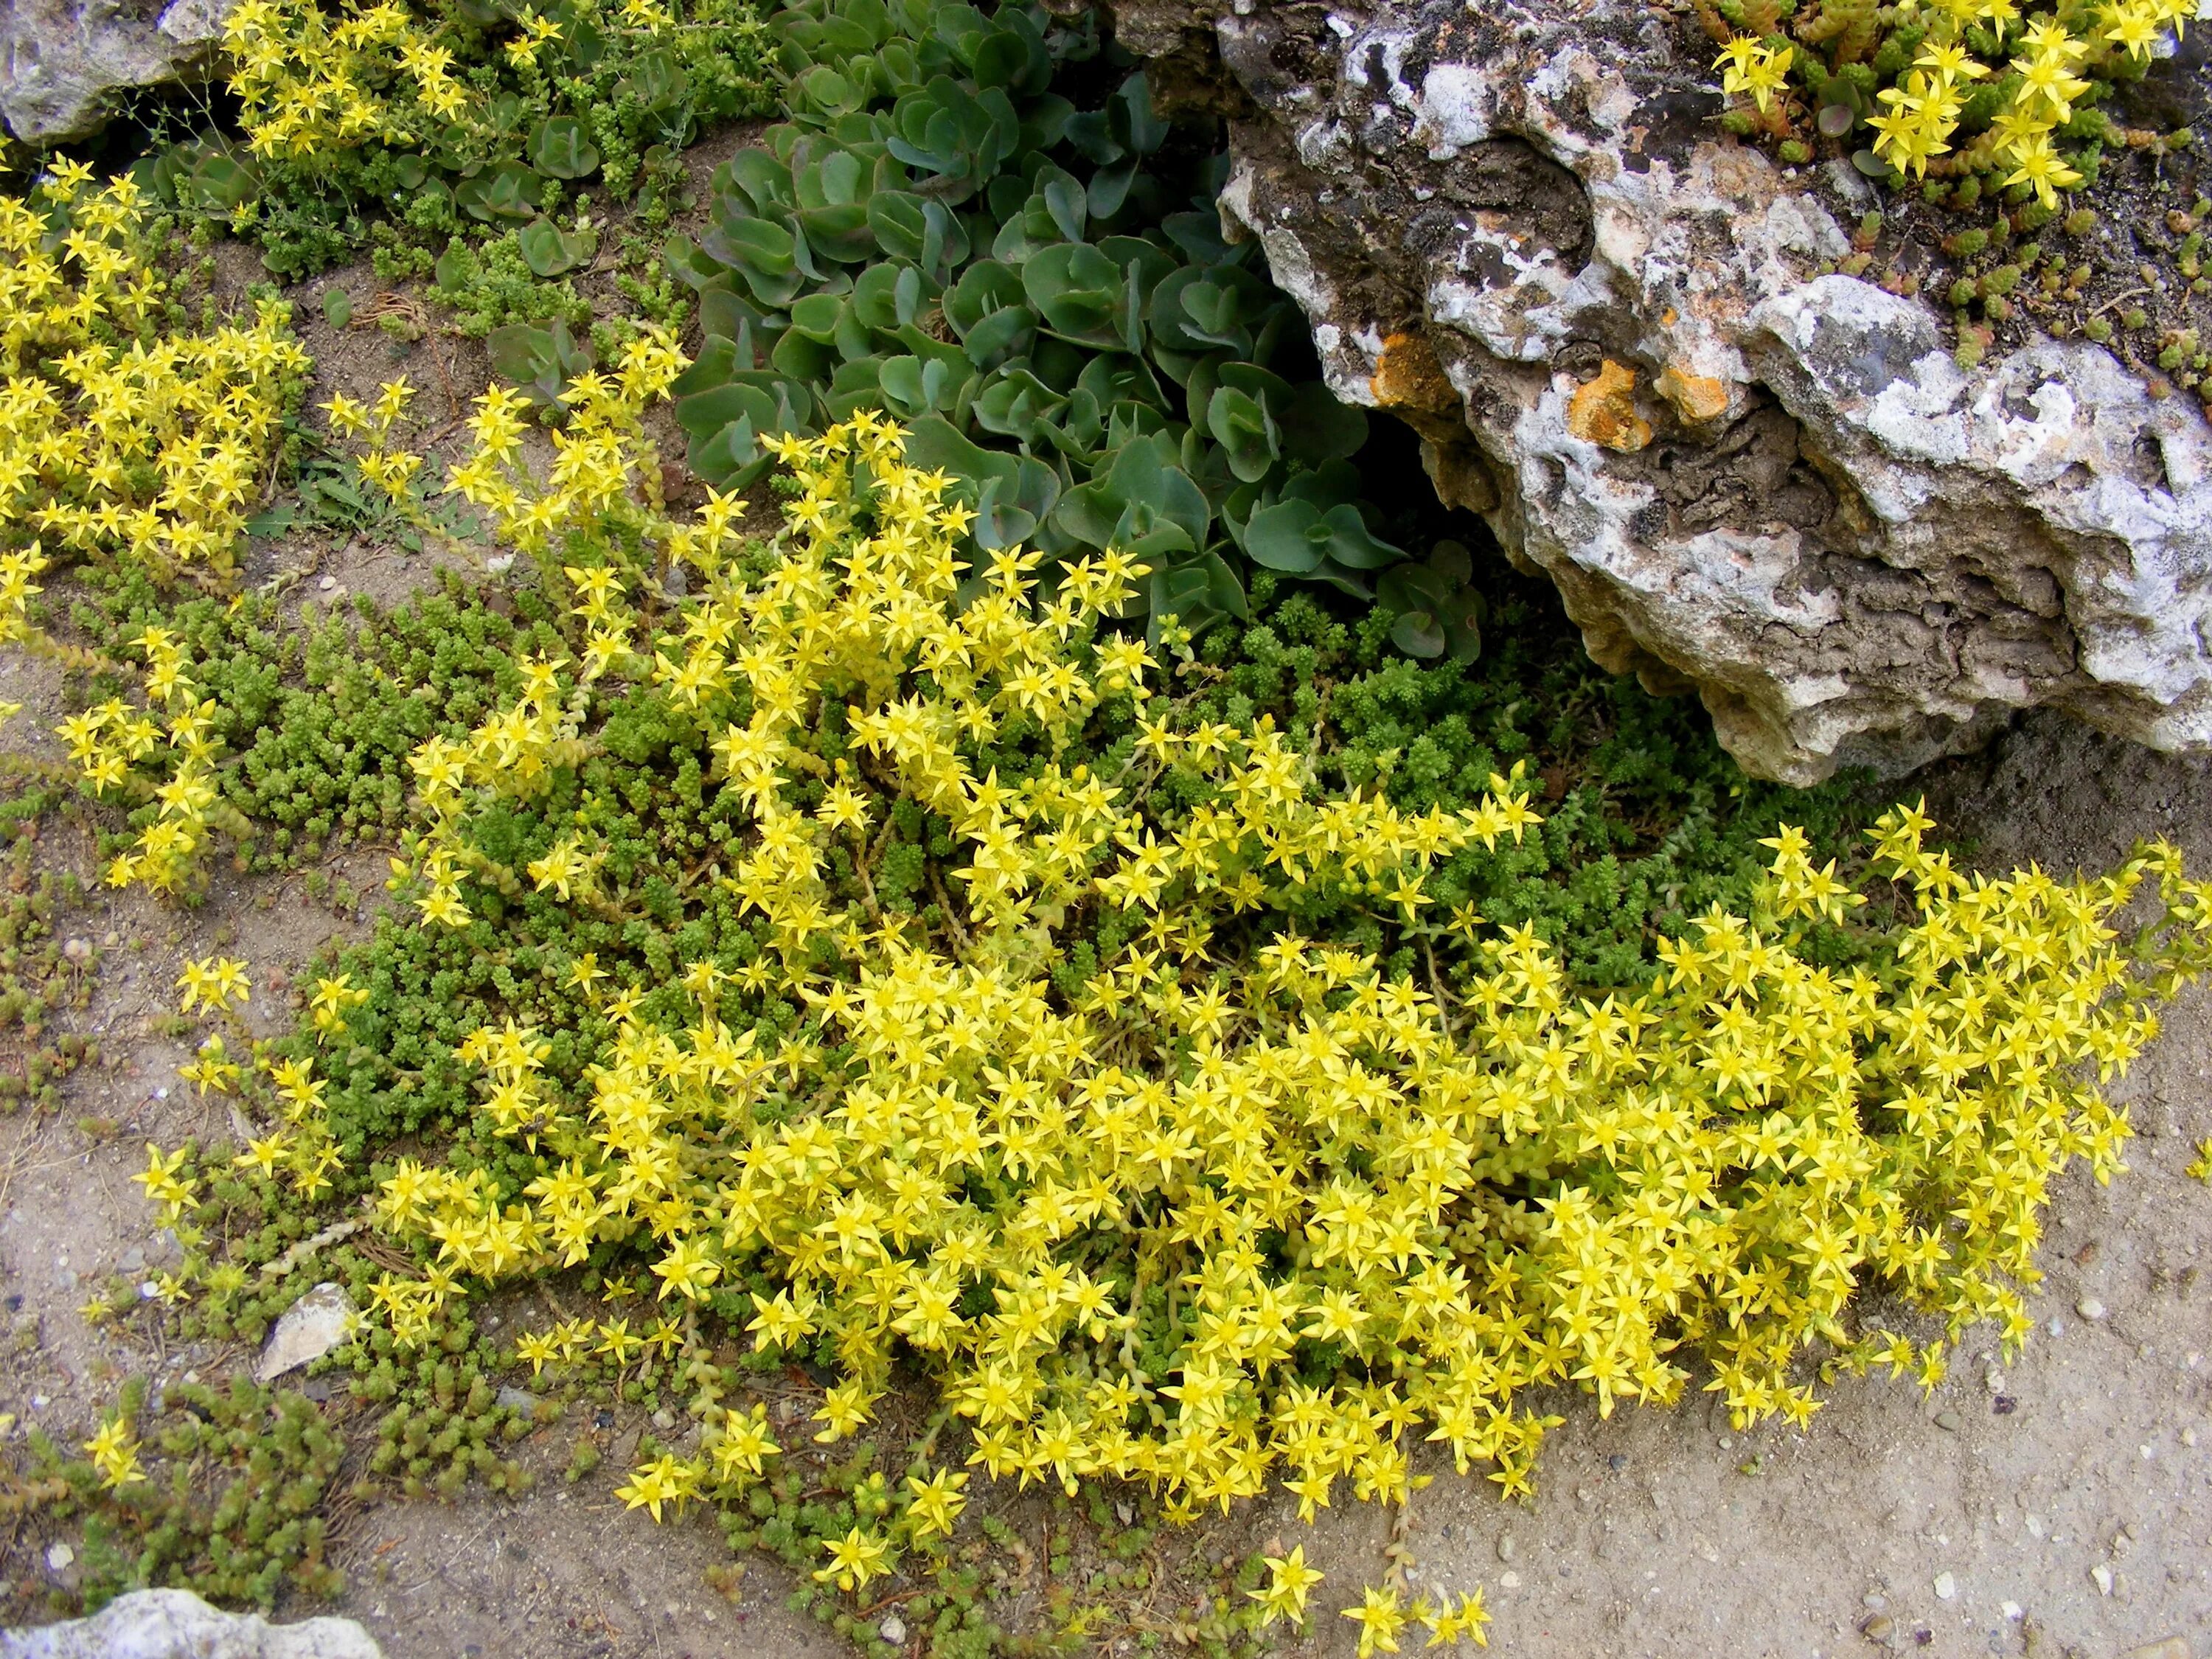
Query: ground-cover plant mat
907, 968
442, 119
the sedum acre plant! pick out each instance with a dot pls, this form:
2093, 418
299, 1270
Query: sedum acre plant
121, 433
1984, 88
1238, 1207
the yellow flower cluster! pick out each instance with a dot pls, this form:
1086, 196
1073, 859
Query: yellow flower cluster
1750, 65
311, 81
109, 740
114, 437
1381, 1616
2040, 57
601, 460
1244, 1211
391, 470
114, 1453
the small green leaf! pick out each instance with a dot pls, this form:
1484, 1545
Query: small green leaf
337, 308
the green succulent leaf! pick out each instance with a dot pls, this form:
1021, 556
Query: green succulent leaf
540, 361
657, 81
509, 192
1290, 537
547, 250
1240, 424
766, 254
561, 148
1083, 297
888, 296
1417, 633
1317, 428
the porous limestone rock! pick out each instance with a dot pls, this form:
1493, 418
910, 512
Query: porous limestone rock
1516, 223
169, 1624
62, 62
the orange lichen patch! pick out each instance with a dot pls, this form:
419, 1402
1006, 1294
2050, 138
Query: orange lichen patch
1697, 397
1603, 411
1408, 376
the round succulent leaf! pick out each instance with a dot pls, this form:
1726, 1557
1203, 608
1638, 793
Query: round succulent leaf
1109, 188
1407, 587
1452, 561
561, 147
1417, 633
1001, 337
1079, 292
1351, 544
691, 265
1464, 638
547, 250
1290, 537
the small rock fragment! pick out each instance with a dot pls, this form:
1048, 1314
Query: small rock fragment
2089, 1308
1507, 1549
892, 1629
169, 1624
60, 1558
1603, 411
1697, 397
1947, 1418
2172, 1647
1946, 1586
1880, 1628
2101, 1575
318, 1322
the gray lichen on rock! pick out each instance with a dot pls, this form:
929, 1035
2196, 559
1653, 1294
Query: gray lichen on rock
63, 61
1519, 227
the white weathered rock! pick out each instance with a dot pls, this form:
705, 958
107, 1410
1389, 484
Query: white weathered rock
318, 1322
1516, 225
168, 1624
63, 61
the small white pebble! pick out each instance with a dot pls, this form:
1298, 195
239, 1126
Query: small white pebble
1509, 1581
2035, 1525
1946, 1586
60, 1558
2011, 1610
327, 583
2101, 1575
2188, 1436
2089, 1308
